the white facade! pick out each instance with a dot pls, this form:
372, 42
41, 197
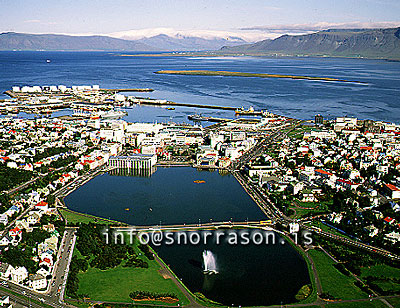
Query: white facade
38, 282
136, 161
19, 274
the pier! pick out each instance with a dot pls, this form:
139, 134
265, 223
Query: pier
199, 118
128, 90
169, 103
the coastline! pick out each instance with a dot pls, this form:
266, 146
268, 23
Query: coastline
243, 74
216, 54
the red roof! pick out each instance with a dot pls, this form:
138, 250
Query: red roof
42, 203
392, 187
388, 219
323, 172
346, 182
366, 148
16, 230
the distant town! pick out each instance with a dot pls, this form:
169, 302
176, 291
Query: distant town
337, 178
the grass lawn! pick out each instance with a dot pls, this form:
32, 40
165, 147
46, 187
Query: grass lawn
326, 228
380, 270
364, 304
115, 284
334, 282
394, 301
304, 209
305, 212
75, 217
385, 271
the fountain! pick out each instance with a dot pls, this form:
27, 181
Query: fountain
210, 265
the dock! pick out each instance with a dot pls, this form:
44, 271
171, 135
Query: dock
128, 90
169, 103
199, 118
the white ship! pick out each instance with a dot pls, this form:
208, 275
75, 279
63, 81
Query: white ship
112, 114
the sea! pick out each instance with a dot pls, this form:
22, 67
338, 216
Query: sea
377, 97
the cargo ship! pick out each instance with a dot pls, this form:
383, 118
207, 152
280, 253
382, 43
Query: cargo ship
250, 111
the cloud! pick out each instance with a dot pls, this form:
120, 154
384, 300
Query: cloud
249, 36
323, 26
272, 8
38, 21
32, 21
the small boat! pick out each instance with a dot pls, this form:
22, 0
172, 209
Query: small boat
48, 61
199, 181
150, 209
170, 108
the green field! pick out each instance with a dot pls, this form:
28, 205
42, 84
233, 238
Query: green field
75, 217
380, 270
364, 304
394, 301
114, 285
383, 273
334, 282
305, 209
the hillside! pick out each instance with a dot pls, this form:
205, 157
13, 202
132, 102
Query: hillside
369, 43
23, 41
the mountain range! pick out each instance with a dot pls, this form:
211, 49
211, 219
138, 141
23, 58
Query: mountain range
24, 41
190, 43
368, 43
162, 42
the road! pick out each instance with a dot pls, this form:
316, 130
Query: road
54, 295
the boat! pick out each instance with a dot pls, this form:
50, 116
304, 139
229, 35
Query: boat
170, 108
250, 111
127, 209
196, 117
199, 181
112, 114
48, 61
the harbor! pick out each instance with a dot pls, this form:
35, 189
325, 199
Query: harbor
94, 102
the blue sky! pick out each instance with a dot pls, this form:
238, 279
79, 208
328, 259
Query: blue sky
104, 17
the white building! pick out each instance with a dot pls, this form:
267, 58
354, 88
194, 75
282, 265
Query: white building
136, 161
19, 274
37, 282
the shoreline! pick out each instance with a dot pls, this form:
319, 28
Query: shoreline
215, 54
243, 74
